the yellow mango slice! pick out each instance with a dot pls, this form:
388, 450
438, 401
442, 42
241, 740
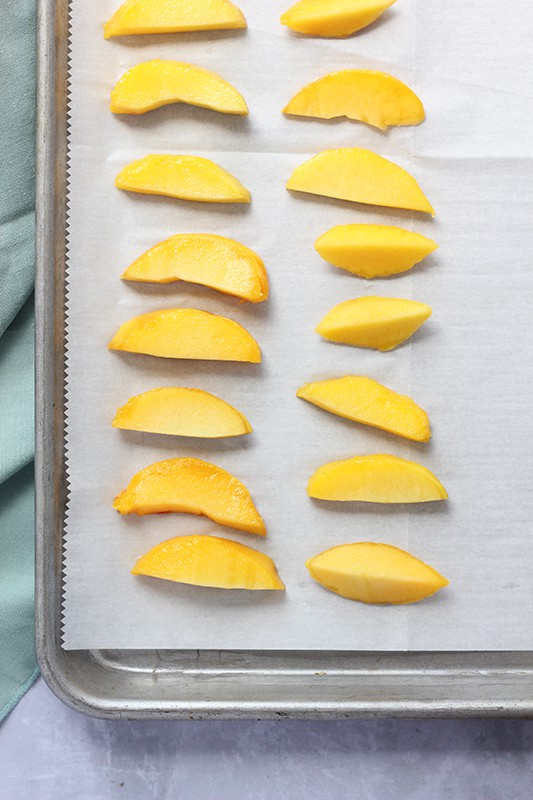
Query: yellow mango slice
380, 323
376, 479
214, 261
186, 333
375, 573
191, 486
181, 412
364, 400
333, 18
373, 251
361, 176
173, 16
210, 561
157, 83
182, 177
376, 98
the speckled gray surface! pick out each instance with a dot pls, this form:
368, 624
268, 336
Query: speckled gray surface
49, 752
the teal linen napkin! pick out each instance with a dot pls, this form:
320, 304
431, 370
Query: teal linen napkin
18, 667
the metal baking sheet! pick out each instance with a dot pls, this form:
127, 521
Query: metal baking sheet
463, 366
203, 683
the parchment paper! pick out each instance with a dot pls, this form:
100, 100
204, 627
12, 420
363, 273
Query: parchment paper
470, 366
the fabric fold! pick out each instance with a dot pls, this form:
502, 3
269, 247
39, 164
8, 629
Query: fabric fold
18, 667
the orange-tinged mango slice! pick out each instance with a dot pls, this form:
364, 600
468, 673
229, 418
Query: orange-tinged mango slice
191, 486
376, 479
373, 251
182, 177
375, 573
186, 333
376, 98
361, 176
380, 323
181, 412
333, 18
173, 16
214, 261
364, 400
210, 561
157, 83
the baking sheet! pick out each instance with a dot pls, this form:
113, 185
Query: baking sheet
469, 366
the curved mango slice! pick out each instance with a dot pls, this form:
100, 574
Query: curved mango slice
376, 479
214, 261
157, 83
361, 176
380, 323
365, 95
333, 18
181, 412
210, 561
364, 400
187, 333
375, 573
191, 486
183, 177
173, 16
373, 251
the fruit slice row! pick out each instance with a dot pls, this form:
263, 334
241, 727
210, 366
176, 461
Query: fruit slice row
375, 98
327, 18
187, 484
379, 323
368, 572
365, 571
346, 173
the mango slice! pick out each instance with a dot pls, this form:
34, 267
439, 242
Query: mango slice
376, 98
173, 16
191, 486
380, 323
364, 400
333, 18
210, 561
206, 259
361, 176
181, 412
373, 251
376, 479
182, 177
186, 333
157, 83
375, 573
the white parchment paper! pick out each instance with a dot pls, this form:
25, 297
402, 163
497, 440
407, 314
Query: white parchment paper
470, 366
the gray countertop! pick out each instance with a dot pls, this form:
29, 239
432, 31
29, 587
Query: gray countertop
49, 752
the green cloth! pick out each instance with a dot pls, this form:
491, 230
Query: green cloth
18, 667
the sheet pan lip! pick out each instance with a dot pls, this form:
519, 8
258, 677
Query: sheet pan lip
61, 670
45, 133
